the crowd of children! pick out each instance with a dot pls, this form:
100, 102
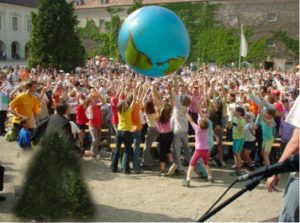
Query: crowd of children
247, 107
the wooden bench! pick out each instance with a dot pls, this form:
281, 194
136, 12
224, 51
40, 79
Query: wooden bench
191, 145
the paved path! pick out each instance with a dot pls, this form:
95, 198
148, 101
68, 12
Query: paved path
149, 197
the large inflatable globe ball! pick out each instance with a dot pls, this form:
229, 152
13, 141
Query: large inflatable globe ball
153, 41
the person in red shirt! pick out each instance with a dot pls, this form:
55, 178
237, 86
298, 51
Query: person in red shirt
279, 111
81, 119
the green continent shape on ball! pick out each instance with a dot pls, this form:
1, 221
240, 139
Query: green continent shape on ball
174, 64
136, 58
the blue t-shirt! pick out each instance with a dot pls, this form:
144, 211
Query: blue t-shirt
24, 138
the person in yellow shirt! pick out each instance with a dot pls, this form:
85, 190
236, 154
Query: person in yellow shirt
25, 106
124, 134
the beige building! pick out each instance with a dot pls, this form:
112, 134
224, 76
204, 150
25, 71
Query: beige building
15, 28
264, 17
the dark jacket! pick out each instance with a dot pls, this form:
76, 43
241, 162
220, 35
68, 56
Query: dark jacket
55, 123
61, 125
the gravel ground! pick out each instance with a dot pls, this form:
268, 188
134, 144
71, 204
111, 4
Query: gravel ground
148, 196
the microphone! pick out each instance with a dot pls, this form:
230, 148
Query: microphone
289, 165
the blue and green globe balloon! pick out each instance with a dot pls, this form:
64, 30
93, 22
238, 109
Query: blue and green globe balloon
153, 41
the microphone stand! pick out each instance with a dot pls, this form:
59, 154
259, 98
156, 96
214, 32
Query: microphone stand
250, 185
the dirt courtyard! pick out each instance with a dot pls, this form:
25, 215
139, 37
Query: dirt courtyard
148, 197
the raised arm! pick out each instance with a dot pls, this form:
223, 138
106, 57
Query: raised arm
189, 118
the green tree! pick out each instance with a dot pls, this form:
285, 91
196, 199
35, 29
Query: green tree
109, 39
212, 41
54, 189
91, 38
54, 40
136, 5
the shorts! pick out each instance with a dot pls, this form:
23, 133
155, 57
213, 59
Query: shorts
219, 134
200, 153
249, 145
237, 145
82, 127
267, 145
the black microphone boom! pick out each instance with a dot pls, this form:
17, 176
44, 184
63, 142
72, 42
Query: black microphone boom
289, 165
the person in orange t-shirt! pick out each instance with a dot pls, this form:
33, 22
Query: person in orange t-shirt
253, 107
136, 133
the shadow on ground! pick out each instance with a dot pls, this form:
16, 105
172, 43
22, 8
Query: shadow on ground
112, 214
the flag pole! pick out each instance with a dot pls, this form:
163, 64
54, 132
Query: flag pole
240, 58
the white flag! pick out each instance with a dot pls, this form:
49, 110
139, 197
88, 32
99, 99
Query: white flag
244, 44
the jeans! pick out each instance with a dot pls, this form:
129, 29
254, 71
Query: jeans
290, 209
136, 150
96, 139
126, 138
181, 137
152, 135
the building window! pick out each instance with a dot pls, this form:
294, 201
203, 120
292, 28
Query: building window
272, 17
270, 43
15, 23
233, 19
104, 1
288, 65
101, 23
79, 2
29, 25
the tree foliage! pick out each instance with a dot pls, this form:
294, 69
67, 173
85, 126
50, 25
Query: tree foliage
290, 43
54, 40
54, 189
212, 41
136, 5
91, 38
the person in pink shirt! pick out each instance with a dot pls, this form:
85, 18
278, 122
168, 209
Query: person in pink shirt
201, 147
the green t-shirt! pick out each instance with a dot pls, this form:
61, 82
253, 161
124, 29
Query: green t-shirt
238, 133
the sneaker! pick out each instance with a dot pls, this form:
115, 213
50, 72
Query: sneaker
163, 174
233, 167
186, 183
172, 170
223, 164
210, 179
